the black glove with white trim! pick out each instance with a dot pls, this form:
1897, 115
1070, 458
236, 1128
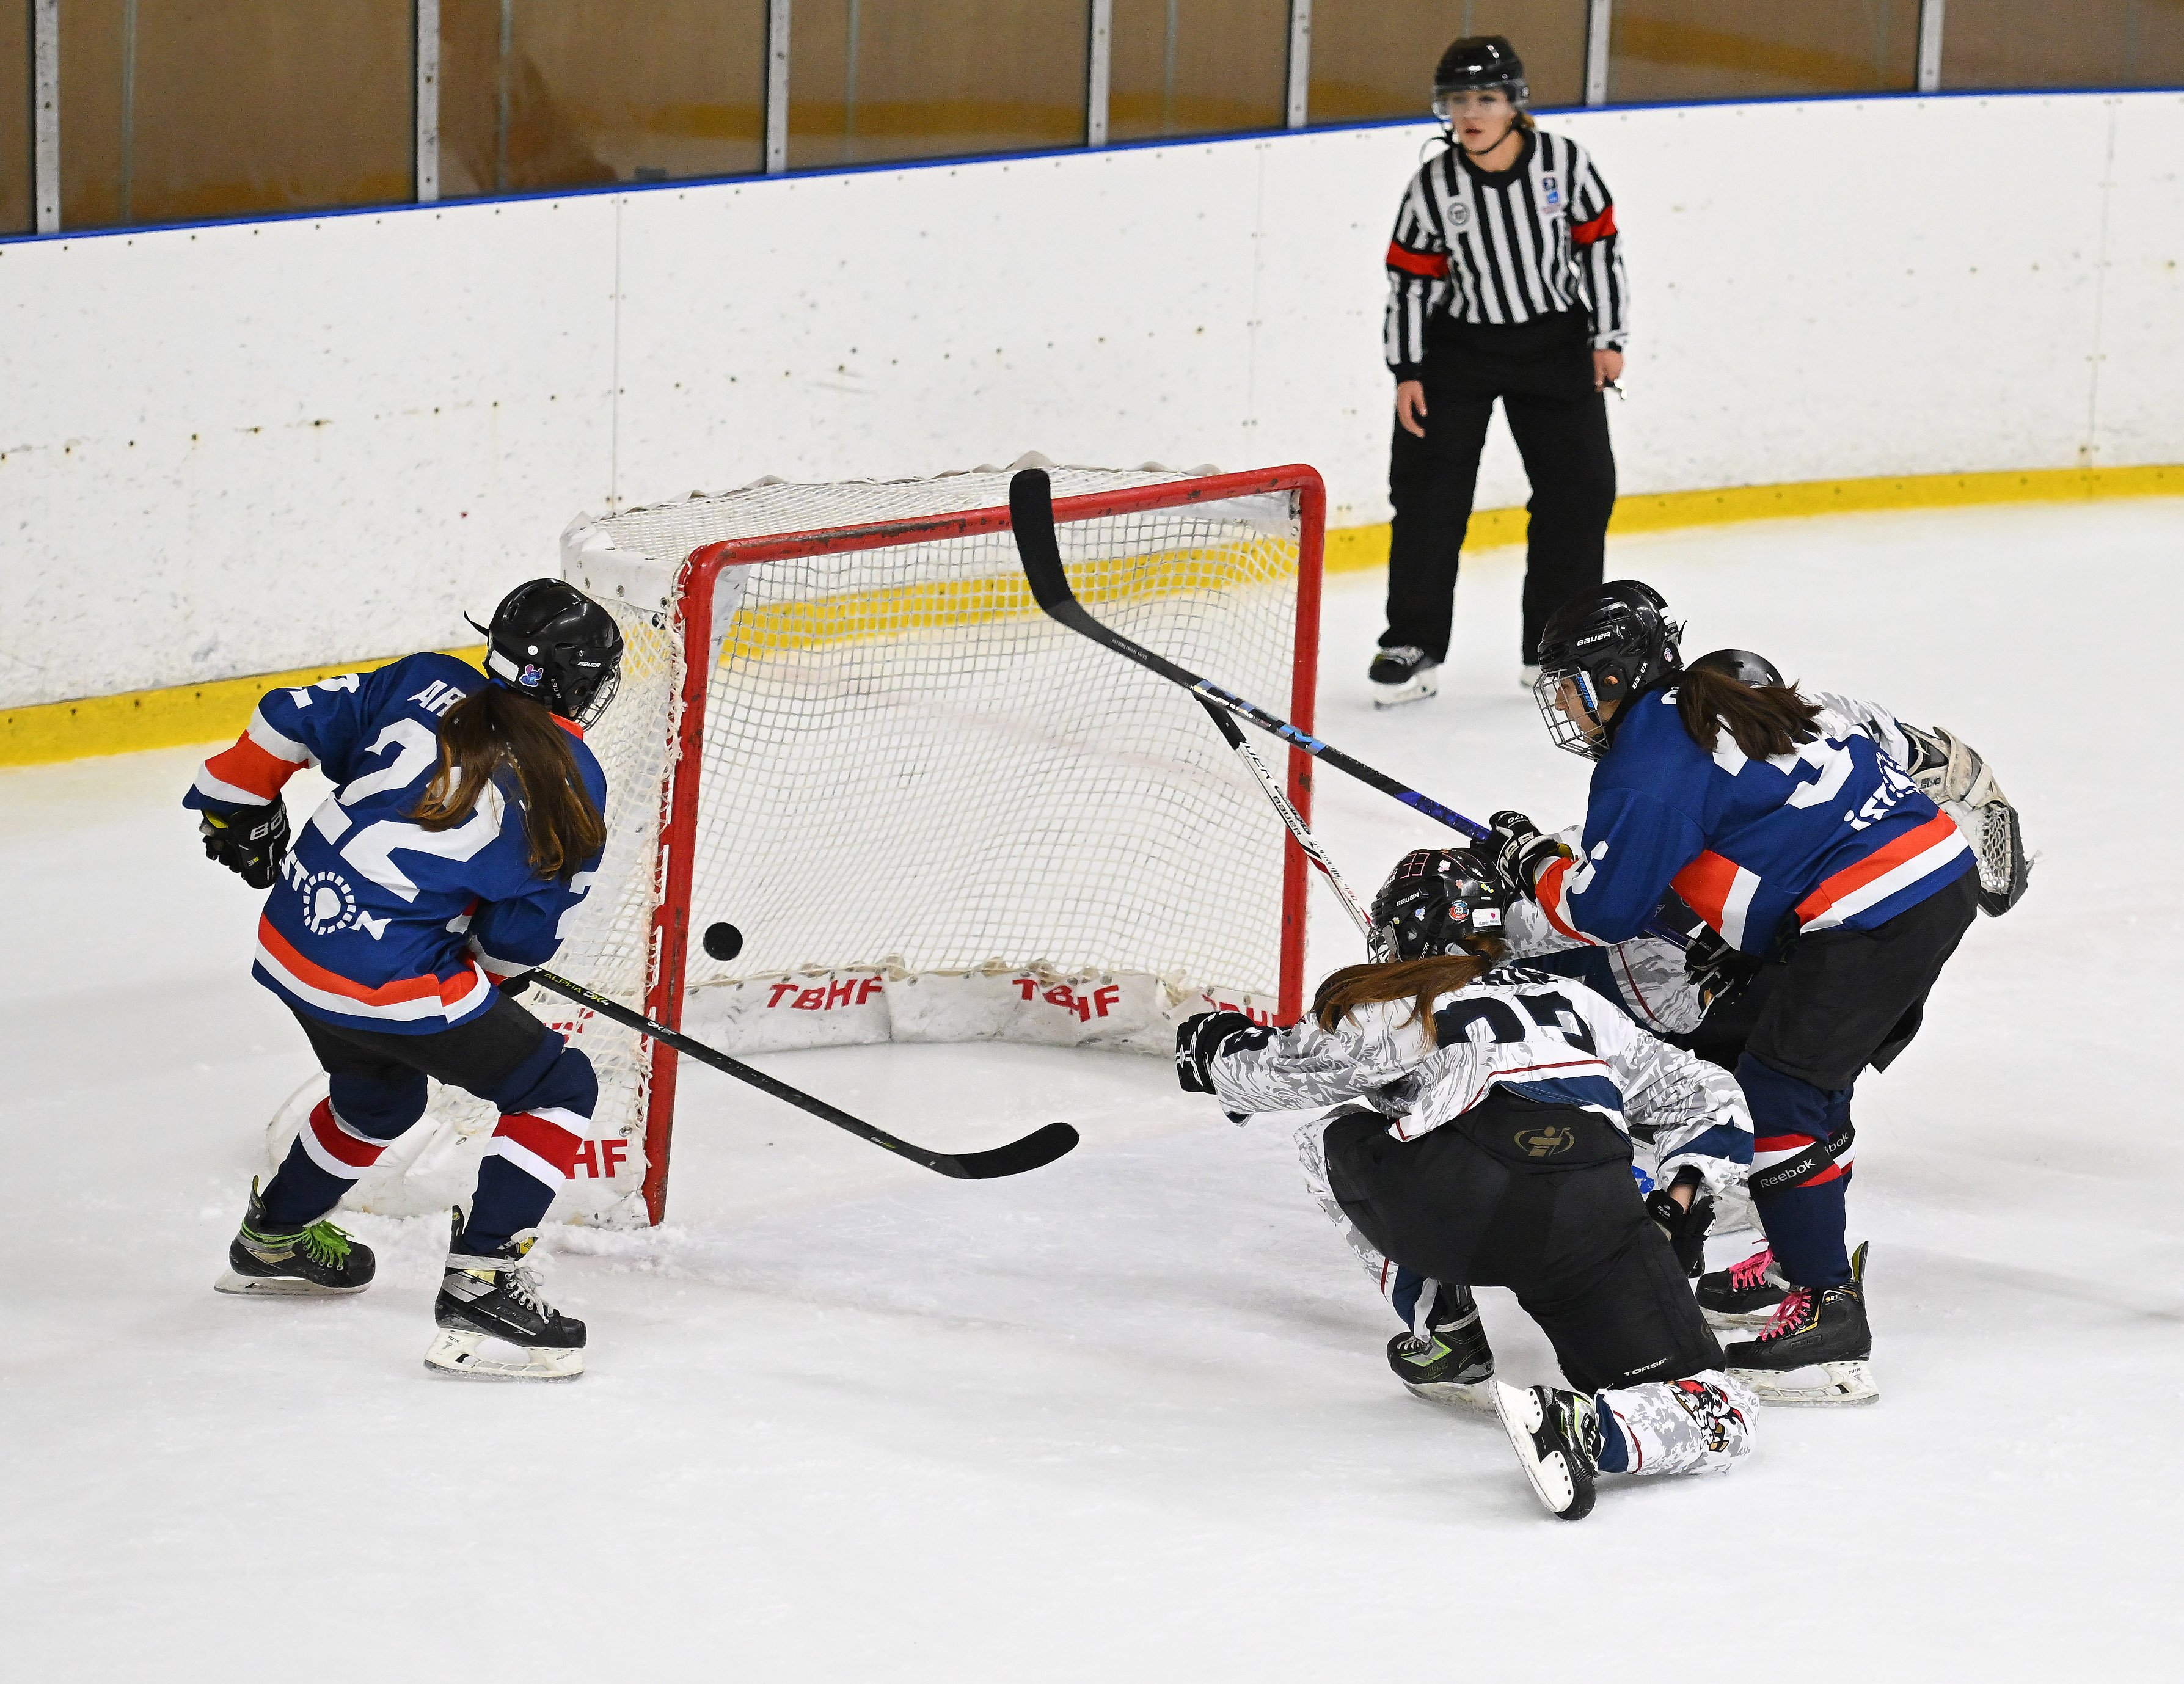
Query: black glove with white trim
251, 841
1686, 1229
1197, 1040
1519, 852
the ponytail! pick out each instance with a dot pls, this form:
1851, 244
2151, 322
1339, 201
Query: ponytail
494, 731
1764, 719
1420, 981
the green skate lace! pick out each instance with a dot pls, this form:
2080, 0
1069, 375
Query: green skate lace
326, 1244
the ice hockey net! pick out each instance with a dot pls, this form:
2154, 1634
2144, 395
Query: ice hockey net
845, 727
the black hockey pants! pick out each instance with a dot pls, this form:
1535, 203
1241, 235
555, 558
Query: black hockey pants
1541, 371
1539, 1198
1834, 1004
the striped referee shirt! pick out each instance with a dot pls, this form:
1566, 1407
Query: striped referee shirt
1535, 240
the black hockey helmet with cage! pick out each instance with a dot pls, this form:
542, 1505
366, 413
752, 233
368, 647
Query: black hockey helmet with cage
1740, 665
1434, 898
1478, 62
1600, 648
552, 642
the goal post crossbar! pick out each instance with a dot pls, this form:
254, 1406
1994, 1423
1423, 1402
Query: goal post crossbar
695, 599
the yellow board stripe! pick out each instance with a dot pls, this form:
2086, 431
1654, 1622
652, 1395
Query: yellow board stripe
934, 604
1352, 549
156, 718
207, 713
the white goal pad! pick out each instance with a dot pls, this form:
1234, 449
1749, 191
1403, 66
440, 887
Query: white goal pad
933, 813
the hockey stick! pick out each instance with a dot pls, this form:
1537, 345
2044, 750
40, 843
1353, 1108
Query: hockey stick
1039, 1147
1030, 512
1308, 843
1031, 518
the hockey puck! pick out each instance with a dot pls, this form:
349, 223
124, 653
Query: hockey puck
723, 940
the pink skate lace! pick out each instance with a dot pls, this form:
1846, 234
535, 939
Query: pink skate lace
1752, 1271
1790, 1315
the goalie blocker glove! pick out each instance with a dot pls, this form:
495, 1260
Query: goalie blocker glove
251, 841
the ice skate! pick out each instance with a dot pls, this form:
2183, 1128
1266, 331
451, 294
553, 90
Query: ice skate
1403, 674
1745, 1294
494, 1296
1450, 1363
314, 1261
1817, 1351
1556, 1436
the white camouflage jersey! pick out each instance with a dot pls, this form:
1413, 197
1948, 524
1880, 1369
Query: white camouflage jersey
1544, 1037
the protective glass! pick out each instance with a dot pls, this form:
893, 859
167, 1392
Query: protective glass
1572, 710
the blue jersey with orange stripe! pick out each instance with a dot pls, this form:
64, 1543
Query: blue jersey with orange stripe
375, 922
1835, 836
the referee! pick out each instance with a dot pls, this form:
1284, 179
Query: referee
1505, 281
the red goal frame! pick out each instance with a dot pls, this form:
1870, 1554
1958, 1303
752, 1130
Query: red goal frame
693, 625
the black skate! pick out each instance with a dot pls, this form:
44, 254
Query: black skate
1817, 1351
1745, 1294
492, 1295
1557, 1435
1452, 1362
317, 1259
1403, 674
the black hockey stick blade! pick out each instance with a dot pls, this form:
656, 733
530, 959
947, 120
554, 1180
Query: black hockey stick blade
1039, 1147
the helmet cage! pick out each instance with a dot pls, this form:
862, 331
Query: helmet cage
1571, 707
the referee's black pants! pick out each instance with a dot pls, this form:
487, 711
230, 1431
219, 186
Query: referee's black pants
1542, 372
1538, 1199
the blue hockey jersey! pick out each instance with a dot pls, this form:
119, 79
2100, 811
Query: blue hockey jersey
376, 923
1832, 836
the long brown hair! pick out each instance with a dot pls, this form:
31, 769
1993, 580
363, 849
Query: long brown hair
1764, 719
494, 730
1420, 981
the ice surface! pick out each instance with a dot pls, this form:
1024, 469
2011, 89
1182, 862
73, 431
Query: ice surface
1127, 1417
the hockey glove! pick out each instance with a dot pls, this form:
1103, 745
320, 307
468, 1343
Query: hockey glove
1686, 1229
1519, 852
251, 841
1719, 971
1197, 1040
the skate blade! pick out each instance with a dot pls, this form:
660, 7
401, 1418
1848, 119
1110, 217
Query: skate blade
1828, 1386
454, 1354
1394, 695
1478, 1396
1518, 1407
279, 1286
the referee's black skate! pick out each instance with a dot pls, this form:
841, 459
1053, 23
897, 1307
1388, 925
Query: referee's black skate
1451, 1362
1817, 1351
273, 1259
1745, 1294
1403, 674
493, 1295
1556, 1437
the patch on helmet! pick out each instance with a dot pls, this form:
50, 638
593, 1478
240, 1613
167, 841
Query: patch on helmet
530, 677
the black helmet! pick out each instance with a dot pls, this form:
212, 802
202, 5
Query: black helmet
1435, 898
1740, 665
1603, 647
1480, 62
553, 643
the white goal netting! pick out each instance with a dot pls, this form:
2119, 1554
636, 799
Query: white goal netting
931, 812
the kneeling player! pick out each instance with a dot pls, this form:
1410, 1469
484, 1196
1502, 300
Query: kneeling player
1486, 1143
465, 826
